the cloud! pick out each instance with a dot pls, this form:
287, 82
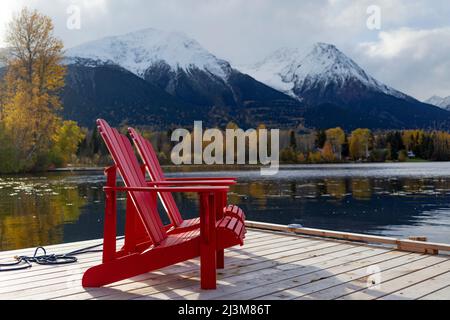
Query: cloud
416, 61
6, 11
245, 31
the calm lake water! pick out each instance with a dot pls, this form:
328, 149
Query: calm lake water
401, 200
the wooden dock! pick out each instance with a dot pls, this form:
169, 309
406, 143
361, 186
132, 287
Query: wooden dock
272, 265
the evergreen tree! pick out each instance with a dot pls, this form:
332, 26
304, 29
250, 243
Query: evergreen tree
293, 141
395, 143
346, 148
321, 138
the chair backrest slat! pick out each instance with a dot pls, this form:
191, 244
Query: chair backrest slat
151, 162
123, 155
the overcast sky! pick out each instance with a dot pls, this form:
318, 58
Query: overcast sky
411, 51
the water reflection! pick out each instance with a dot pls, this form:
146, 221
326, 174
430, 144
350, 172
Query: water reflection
59, 208
48, 210
351, 204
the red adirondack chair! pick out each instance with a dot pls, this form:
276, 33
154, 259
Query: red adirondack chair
148, 246
178, 224
153, 167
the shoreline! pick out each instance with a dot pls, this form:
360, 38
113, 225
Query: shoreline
193, 168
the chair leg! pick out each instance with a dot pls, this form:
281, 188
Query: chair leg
221, 202
208, 268
110, 222
208, 249
130, 227
220, 259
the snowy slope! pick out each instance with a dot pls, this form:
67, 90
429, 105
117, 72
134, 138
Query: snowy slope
440, 102
293, 71
138, 51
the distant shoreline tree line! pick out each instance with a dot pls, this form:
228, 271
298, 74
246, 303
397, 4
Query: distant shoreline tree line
310, 146
362, 145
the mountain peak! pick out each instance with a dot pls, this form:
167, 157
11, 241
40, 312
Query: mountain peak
328, 54
322, 65
139, 50
325, 47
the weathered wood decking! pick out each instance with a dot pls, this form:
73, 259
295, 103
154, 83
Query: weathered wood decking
270, 266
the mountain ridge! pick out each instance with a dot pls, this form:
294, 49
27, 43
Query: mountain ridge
294, 71
322, 76
167, 79
440, 102
147, 47
182, 68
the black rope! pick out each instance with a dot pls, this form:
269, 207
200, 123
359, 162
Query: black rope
26, 262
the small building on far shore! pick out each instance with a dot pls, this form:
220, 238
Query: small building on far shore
411, 155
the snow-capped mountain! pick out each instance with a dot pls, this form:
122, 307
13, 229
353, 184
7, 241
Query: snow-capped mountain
140, 50
440, 102
338, 92
322, 70
200, 84
165, 79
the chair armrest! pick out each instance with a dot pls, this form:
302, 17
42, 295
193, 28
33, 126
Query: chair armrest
201, 179
197, 189
207, 205
185, 183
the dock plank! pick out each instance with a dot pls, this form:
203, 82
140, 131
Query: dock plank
443, 294
271, 265
319, 288
236, 265
58, 283
242, 287
357, 280
95, 258
422, 289
243, 272
286, 280
405, 279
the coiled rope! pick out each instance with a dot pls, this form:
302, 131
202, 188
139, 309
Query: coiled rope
26, 262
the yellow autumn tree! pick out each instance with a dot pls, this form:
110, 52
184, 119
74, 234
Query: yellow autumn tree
412, 138
2, 94
33, 80
336, 138
441, 142
315, 157
359, 143
328, 153
65, 143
